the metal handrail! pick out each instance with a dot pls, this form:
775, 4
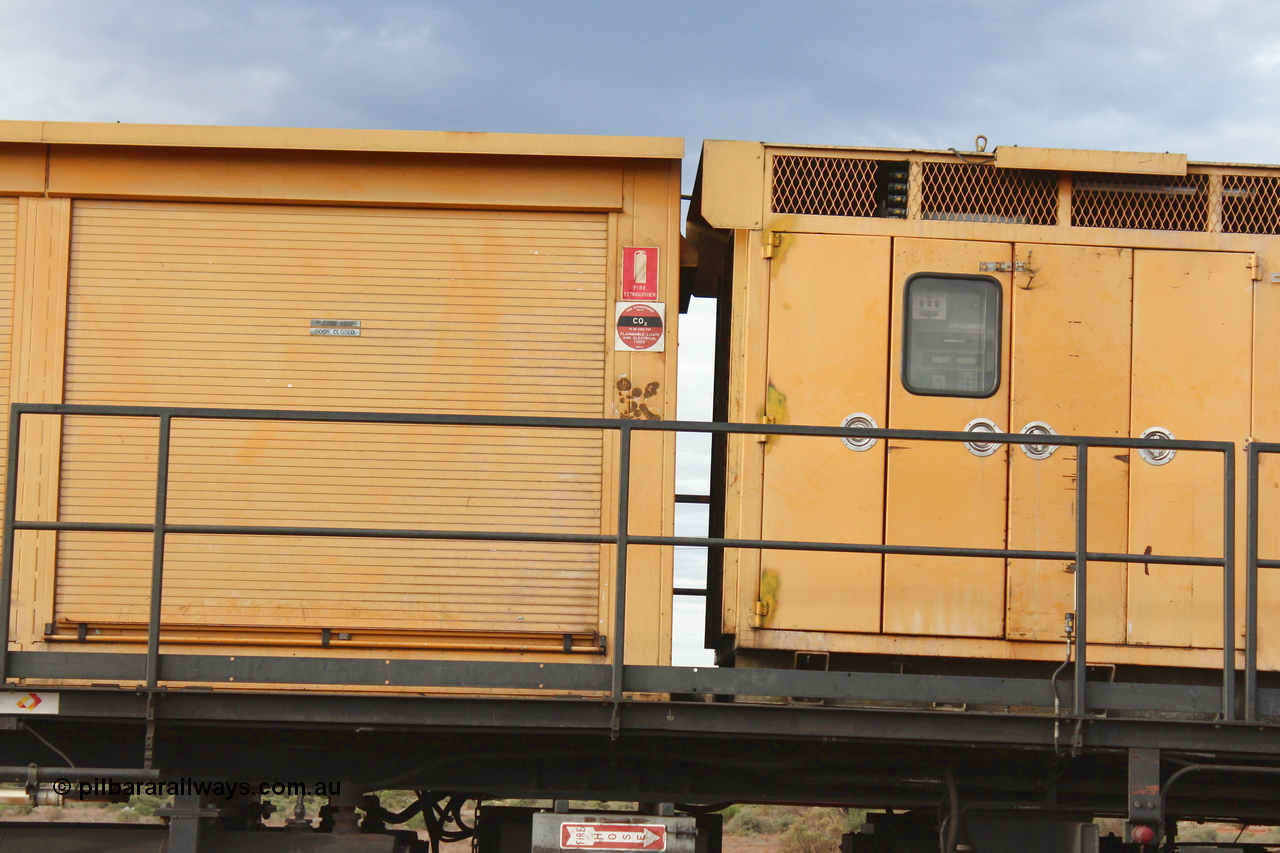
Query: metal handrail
1256, 449
623, 538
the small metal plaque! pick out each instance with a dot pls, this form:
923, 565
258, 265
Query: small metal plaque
343, 328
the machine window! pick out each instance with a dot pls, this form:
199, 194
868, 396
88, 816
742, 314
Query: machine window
951, 343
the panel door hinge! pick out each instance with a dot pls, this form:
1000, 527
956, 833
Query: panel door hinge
1255, 266
762, 611
772, 240
1002, 266
766, 419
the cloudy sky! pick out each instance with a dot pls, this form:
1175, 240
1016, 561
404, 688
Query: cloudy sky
1194, 76
1198, 77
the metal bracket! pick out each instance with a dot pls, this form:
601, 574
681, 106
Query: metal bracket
149, 744
1144, 792
189, 816
1002, 266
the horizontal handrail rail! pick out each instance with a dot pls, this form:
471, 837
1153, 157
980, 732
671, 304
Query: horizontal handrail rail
622, 538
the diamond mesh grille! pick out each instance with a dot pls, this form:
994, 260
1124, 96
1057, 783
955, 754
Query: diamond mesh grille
967, 192
971, 192
1251, 204
826, 186
1153, 202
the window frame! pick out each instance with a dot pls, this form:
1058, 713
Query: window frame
906, 336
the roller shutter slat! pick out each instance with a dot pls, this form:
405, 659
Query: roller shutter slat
462, 312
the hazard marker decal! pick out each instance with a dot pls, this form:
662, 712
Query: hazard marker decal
42, 702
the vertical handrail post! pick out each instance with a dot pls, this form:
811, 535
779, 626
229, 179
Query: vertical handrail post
1082, 573
1251, 589
620, 578
1229, 584
6, 558
157, 552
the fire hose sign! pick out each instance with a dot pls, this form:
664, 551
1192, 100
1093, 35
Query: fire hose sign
613, 836
640, 327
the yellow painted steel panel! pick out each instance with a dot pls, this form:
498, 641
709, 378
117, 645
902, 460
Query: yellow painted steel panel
940, 494
447, 180
8, 253
733, 183
335, 139
22, 168
1192, 323
470, 312
827, 359
1079, 160
1071, 332
38, 351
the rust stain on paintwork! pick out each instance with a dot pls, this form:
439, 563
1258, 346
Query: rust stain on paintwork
775, 412
631, 403
767, 604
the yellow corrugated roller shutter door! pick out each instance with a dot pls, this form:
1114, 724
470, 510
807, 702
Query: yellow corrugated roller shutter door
460, 312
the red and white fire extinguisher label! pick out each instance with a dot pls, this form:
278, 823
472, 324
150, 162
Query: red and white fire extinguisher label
639, 273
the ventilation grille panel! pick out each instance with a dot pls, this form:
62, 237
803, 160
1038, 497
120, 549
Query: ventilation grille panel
1154, 203
981, 192
968, 192
1250, 204
824, 186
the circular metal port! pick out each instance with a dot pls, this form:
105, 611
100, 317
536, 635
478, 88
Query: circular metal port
1157, 455
981, 448
859, 420
1038, 451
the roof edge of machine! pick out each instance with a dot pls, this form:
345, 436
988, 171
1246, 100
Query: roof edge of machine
337, 139
1012, 152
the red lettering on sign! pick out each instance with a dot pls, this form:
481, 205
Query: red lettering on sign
613, 836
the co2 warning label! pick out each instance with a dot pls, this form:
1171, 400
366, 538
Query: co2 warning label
613, 836
640, 327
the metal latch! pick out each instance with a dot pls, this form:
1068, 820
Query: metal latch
1002, 266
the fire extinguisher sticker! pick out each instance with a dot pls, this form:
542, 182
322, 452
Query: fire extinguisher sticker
639, 273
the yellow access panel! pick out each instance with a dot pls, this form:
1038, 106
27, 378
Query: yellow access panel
1071, 331
828, 357
1192, 341
948, 371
